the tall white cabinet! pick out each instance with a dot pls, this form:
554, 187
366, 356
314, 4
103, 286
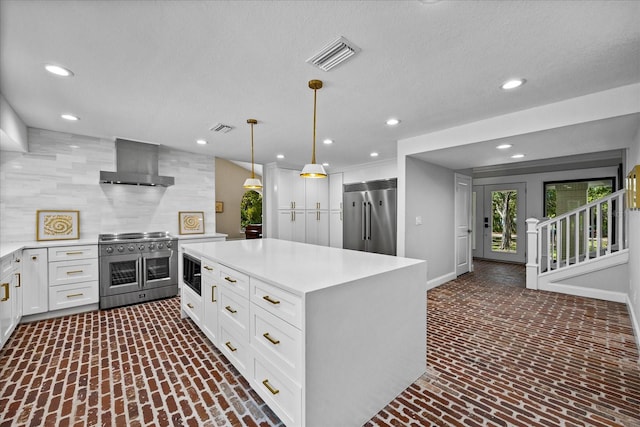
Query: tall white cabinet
335, 210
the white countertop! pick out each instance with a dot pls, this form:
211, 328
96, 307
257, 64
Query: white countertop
201, 236
299, 267
9, 248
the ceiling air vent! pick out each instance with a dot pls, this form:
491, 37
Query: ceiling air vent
333, 54
219, 127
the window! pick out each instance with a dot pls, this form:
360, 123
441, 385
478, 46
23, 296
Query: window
564, 196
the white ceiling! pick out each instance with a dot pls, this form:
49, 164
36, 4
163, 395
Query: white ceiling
166, 71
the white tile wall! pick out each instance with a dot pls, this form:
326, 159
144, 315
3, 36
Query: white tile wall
61, 171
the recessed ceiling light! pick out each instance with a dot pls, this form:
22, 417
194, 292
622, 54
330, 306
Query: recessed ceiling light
393, 122
328, 141
504, 146
374, 154
325, 164
512, 84
517, 156
70, 117
280, 156
58, 70
201, 142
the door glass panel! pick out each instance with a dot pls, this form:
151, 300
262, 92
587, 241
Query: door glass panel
123, 273
157, 268
504, 207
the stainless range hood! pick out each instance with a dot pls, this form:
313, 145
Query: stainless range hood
136, 164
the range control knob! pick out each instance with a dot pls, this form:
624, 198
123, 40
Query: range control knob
141, 247
152, 245
169, 244
120, 248
131, 247
109, 249
160, 245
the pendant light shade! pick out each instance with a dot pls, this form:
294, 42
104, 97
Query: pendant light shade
252, 183
314, 170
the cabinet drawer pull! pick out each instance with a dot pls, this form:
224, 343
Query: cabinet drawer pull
229, 279
34, 258
229, 346
74, 271
75, 253
271, 300
213, 294
74, 295
270, 387
270, 338
231, 310
19, 276
206, 267
190, 305
6, 292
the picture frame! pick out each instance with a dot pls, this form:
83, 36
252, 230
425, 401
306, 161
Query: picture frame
219, 207
190, 222
54, 224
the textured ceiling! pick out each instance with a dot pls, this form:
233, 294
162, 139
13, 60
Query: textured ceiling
166, 71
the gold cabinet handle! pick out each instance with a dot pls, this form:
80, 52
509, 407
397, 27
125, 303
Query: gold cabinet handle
271, 300
229, 279
74, 271
6, 292
74, 295
206, 267
271, 339
229, 346
190, 305
213, 294
19, 276
75, 253
270, 387
231, 310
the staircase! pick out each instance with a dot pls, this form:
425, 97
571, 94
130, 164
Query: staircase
582, 252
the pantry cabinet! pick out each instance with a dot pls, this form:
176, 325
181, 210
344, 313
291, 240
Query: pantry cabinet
291, 225
35, 286
10, 295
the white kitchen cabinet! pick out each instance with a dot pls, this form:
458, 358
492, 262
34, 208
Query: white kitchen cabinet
290, 189
10, 295
35, 285
210, 298
291, 225
335, 229
73, 276
317, 227
191, 304
316, 193
335, 191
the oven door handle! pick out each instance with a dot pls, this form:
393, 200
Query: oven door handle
141, 269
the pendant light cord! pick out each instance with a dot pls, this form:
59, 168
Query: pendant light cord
253, 175
313, 154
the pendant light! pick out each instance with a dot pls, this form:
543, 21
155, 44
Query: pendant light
252, 183
314, 170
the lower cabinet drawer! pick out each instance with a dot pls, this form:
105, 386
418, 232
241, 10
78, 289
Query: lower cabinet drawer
235, 308
192, 305
73, 295
235, 347
282, 395
65, 272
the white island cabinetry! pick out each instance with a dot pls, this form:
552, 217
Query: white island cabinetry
325, 336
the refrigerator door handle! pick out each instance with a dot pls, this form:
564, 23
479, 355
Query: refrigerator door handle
369, 216
364, 220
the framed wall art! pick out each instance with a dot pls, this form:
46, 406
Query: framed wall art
219, 207
57, 225
191, 222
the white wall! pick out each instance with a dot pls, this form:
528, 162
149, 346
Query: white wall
13, 132
633, 158
535, 184
61, 171
371, 171
430, 193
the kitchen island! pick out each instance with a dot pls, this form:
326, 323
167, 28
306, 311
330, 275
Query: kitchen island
325, 336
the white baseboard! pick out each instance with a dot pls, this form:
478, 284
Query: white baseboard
634, 324
584, 292
59, 313
434, 283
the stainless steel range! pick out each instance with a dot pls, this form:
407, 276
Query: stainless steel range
137, 267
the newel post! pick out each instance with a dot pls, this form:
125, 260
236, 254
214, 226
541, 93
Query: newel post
532, 253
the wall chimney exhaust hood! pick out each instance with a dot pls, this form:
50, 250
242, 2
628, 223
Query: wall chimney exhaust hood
136, 164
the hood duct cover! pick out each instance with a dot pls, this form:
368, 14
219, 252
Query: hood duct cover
136, 164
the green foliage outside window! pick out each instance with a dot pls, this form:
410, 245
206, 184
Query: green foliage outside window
251, 208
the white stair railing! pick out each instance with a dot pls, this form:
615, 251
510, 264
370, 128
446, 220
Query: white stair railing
585, 233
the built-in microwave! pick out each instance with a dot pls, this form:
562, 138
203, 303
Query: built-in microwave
191, 272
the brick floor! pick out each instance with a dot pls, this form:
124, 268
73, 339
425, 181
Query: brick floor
498, 355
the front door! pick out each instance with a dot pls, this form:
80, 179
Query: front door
500, 222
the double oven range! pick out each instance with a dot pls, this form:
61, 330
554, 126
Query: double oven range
137, 267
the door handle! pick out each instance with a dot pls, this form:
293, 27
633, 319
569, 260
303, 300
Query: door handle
364, 220
369, 236
19, 276
6, 292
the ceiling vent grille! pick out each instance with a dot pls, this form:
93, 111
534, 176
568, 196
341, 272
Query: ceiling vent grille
333, 54
220, 127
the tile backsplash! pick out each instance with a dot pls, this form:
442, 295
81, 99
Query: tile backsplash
61, 171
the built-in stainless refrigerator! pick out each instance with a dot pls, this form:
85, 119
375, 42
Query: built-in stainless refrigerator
369, 210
